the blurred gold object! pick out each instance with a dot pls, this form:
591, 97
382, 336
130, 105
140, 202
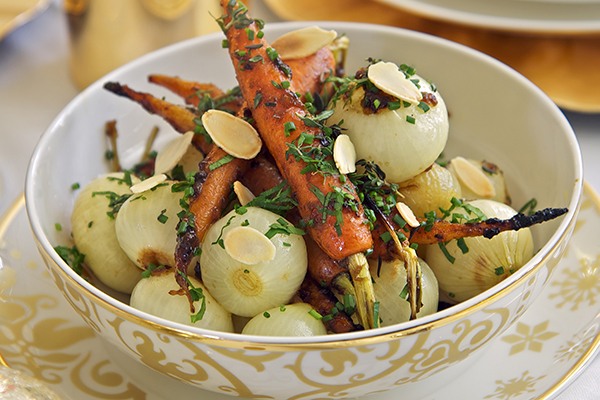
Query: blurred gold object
562, 65
106, 34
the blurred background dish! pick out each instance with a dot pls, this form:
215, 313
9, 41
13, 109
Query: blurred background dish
105, 34
564, 65
538, 16
14, 13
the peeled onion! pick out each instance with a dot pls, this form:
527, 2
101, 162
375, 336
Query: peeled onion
141, 234
95, 236
430, 190
402, 149
487, 262
151, 295
289, 320
251, 287
389, 282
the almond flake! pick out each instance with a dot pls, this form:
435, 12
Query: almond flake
243, 194
148, 184
473, 178
248, 245
344, 154
302, 42
387, 77
168, 158
407, 214
234, 135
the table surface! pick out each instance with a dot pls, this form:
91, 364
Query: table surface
35, 85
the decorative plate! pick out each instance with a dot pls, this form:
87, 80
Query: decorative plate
557, 17
14, 13
537, 357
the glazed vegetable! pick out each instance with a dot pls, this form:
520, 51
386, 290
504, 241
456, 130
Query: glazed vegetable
210, 188
151, 295
253, 261
391, 289
334, 314
464, 274
323, 199
298, 319
403, 130
146, 223
94, 231
179, 117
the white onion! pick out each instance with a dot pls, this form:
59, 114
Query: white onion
390, 280
141, 235
289, 320
430, 190
487, 262
248, 290
94, 233
151, 295
400, 148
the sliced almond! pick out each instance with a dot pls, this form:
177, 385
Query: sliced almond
387, 77
168, 158
407, 214
243, 194
148, 184
302, 42
473, 178
344, 154
234, 135
248, 245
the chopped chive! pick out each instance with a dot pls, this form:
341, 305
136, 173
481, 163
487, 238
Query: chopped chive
499, 271
313, 313
75, 186
423, 106
227, 158
446, 253
58, 227
410, 119
162, 218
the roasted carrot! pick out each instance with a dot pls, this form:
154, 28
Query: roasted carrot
178, 117
280, 116
436, 231
211, 189
324, 301
310, 72
194, 92
186, 89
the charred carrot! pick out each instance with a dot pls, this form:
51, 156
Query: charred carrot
178, 117
194, 92
211, 188
326, 304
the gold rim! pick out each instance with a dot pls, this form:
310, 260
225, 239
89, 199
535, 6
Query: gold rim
345, 340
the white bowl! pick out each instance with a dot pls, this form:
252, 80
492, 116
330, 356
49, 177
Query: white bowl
495, 114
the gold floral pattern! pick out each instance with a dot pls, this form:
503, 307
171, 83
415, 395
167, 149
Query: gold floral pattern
528, 338
581, 286
512, 388
576, 347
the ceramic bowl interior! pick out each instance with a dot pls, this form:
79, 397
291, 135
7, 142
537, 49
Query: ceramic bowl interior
495, 114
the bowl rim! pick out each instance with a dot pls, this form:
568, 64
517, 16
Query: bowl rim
337, 341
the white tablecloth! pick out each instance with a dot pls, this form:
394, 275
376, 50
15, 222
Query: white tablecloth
35, 86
